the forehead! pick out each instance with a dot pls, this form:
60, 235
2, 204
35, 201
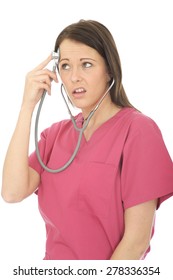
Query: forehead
69, 48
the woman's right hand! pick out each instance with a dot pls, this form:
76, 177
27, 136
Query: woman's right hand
19, 180
38, 80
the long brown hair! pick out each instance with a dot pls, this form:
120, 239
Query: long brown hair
98, 37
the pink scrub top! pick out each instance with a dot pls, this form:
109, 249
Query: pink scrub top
124, 163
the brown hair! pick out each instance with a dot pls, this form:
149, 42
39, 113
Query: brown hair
98, 37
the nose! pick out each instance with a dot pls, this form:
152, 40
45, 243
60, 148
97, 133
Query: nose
75, 75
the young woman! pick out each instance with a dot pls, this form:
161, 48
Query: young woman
103, 205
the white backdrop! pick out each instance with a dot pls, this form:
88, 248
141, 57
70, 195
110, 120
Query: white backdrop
143, 33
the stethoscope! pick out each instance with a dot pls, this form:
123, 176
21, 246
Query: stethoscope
55, 57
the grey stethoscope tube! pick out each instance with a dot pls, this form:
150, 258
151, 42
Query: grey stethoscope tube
81, 130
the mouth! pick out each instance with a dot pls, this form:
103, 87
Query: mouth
79, 92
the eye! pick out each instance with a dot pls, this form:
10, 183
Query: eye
87, 64
65, 66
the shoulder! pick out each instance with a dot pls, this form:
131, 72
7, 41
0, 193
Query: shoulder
60, 127
141, 123
55, 129
143, 134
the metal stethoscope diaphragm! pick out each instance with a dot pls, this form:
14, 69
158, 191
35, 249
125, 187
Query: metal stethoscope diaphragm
55, 57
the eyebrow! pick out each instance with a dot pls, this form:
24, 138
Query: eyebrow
81, 59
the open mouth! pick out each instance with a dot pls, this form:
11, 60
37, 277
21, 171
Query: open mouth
78, 92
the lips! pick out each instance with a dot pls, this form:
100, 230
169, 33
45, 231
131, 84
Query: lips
79, 92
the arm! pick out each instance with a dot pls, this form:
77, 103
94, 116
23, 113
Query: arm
19, 180
138, 226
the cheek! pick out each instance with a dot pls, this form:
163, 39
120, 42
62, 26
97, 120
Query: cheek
100, 81
101, 76
66, 83
62, 77
65, 80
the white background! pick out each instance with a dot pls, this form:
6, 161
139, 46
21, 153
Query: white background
28, 29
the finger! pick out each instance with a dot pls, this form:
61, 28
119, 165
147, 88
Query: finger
47, 88
44, 63
44, 86
43, 79
50, 74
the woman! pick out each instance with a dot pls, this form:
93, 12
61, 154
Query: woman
103, 205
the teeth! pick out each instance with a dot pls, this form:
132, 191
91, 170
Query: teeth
79, 90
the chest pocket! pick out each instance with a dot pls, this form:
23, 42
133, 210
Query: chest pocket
96, 188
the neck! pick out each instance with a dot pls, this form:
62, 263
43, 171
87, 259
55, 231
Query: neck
105, 111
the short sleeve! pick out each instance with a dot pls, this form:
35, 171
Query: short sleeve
147, 169
46, 143
33, 161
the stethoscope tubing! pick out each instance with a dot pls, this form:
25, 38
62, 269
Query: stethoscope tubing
80, 130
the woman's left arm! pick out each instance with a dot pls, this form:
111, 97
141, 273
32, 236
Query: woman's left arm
138, 228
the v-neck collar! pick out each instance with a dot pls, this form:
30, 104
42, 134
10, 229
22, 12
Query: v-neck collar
100, 131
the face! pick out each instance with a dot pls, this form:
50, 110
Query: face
84, 74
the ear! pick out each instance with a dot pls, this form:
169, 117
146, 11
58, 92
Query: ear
109, 77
